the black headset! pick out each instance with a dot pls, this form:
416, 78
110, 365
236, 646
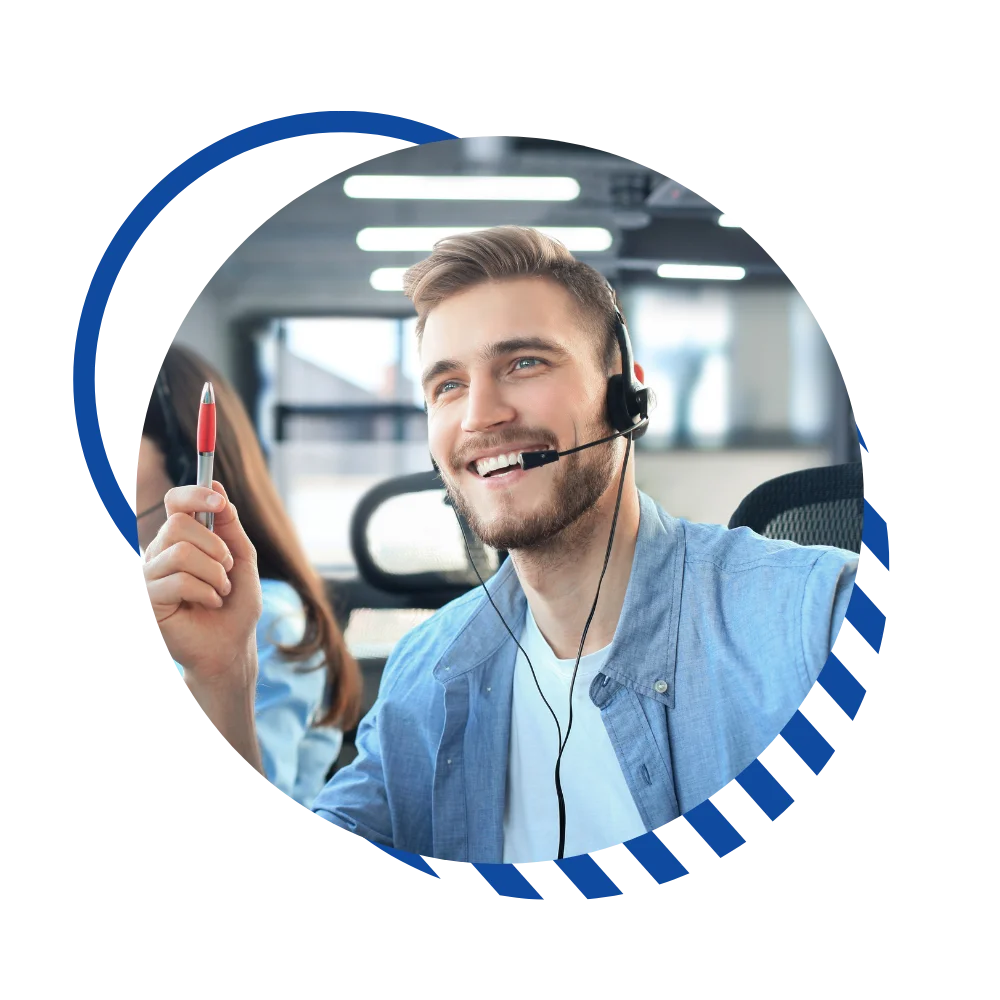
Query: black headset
178, 455
628, 398
627, 412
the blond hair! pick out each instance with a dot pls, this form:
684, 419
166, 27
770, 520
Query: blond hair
467, 259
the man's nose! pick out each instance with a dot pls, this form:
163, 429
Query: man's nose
485, 407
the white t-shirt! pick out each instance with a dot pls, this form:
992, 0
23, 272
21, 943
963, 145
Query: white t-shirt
600, 810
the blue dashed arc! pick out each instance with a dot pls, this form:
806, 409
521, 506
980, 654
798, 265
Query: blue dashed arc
649, 850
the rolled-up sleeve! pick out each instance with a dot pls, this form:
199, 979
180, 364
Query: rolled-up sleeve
355, 798
825, 597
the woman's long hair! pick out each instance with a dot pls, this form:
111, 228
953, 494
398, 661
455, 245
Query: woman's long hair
240, 466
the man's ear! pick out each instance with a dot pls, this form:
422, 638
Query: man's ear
639, 373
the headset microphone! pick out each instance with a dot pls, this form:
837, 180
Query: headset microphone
534, 459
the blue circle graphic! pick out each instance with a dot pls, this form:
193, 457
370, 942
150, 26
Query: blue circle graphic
85, 355
650, 852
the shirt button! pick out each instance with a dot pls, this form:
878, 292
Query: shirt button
660, 687
449, 760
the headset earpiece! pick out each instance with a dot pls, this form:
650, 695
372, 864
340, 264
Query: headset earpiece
618, 415
628, 398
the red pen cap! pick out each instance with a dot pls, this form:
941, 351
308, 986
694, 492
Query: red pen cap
206, 420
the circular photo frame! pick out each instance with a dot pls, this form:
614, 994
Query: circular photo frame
720, 834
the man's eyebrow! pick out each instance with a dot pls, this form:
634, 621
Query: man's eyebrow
497, 349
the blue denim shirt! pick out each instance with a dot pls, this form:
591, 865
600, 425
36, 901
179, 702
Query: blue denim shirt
721, 636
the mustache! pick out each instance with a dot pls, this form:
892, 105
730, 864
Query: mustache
514, 436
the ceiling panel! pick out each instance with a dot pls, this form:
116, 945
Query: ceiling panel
307, 253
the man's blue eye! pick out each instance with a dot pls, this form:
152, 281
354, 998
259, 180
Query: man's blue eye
521, 364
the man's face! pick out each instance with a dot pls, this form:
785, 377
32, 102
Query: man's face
508, 367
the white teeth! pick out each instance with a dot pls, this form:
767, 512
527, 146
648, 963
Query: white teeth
487, 465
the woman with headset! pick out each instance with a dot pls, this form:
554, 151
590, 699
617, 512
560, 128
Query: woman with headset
309, 686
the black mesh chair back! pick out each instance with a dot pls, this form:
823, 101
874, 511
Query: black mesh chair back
822, 506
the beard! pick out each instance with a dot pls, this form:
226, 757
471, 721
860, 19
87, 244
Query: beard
580, 481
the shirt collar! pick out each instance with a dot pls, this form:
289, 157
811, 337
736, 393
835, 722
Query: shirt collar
643, 653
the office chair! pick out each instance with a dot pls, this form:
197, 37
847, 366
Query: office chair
822, 506
435, 585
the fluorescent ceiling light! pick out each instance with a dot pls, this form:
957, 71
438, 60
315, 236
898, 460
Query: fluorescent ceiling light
388, 279
729, 222
462, 188
700, 272
577, 239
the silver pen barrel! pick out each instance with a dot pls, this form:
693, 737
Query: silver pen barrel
206, 460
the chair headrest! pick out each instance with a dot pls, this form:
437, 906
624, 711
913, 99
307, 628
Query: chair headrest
406, 539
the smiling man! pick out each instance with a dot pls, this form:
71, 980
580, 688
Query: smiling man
622, 665
702, 643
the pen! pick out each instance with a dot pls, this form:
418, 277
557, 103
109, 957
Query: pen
206, 448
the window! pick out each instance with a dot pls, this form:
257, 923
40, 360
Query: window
681, 339
339, 410
814, 375
733, 367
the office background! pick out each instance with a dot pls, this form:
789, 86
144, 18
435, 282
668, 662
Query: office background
307, 319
